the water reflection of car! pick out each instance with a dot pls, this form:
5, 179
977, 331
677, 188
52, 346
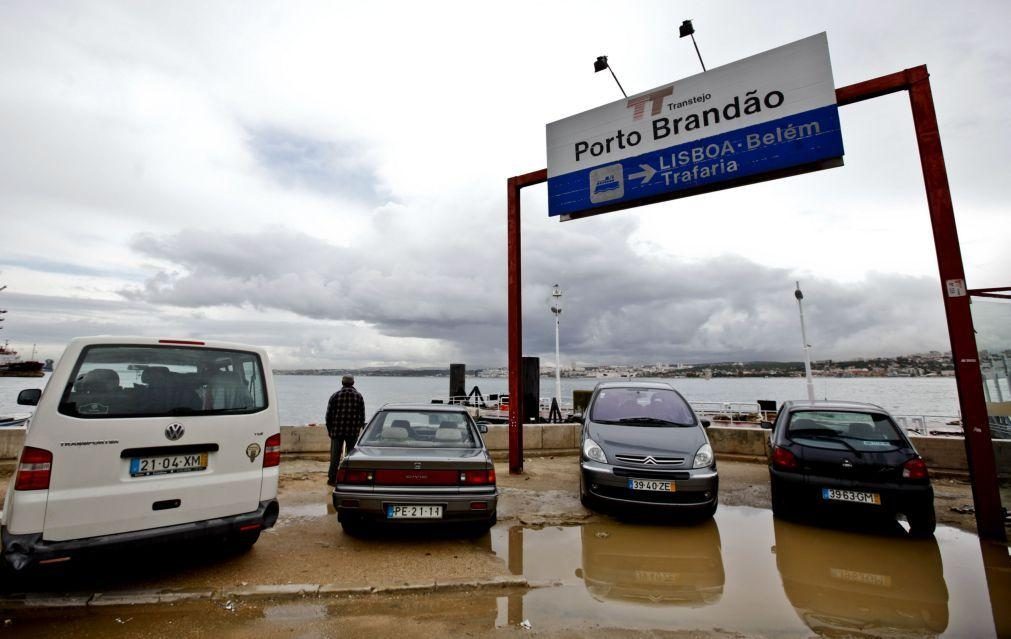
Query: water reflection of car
645, 450
417, 464
653, 565
850, 457
849, 584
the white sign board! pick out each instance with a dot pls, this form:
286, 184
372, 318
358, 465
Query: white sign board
770, 115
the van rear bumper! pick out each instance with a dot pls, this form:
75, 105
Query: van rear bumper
20, 551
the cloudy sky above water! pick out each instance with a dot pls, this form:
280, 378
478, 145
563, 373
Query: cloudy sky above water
328, 180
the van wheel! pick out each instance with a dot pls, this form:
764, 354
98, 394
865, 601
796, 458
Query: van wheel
243, 541
922, 522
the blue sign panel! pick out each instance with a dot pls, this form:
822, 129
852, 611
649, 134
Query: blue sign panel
797, 140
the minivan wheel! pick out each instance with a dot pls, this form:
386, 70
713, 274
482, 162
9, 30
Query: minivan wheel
922, 522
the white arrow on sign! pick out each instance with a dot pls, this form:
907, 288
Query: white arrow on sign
646, 174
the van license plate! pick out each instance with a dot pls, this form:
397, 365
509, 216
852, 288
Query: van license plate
141, 466
652, 484
834, 494
413, 511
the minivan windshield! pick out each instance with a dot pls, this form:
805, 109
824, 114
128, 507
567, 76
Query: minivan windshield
859, 431
157, 381
641, 406
420, 429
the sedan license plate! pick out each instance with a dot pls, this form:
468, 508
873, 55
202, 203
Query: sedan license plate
834, 494
141, 466
654, 485
413, 511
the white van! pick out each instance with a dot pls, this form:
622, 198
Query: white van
139, 440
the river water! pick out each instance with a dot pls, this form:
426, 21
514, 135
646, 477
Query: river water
302, 399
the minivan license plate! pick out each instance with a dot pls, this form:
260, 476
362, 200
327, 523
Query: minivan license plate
141, 466
834, 494
655, 485
413, 511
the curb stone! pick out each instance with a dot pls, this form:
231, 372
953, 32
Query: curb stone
148, 597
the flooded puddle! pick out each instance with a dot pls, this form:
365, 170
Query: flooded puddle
747, 572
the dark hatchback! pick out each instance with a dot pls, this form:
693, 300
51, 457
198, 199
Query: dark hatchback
848, 457
644, 450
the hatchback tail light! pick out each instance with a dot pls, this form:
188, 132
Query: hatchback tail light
915, 468
352, 476
34, 469
272, 451
477, 477
783, 459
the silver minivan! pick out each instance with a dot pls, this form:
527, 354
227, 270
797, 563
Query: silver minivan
138, 440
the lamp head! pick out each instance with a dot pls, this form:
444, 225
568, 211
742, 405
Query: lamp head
600, 64
686, 29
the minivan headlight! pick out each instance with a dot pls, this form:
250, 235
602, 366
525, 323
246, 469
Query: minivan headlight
594, 452
704, 458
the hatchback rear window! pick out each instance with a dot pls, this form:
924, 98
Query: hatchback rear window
420, 429
863, 431
156, 381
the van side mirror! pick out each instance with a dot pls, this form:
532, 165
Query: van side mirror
706, 423
767, 425
29, 397
482, 427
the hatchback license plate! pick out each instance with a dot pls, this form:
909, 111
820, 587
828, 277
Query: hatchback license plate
413, 511
834, 494
654, 485
141, 466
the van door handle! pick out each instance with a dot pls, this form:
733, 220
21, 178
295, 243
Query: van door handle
166, 504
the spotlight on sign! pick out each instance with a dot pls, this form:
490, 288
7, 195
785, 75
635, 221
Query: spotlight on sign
601, 64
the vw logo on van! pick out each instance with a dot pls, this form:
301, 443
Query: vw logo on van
174, 431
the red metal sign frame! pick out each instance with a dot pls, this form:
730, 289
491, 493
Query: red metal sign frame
978, 443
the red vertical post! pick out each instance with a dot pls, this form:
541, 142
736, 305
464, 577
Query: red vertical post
515, 321
968, 377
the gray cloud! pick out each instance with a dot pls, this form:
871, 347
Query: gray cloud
621, 306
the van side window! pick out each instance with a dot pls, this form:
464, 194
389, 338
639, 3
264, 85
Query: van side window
157, 381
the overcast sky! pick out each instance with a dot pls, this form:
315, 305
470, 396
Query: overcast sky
328, 180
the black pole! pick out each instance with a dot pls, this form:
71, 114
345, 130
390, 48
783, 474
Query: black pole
698, 54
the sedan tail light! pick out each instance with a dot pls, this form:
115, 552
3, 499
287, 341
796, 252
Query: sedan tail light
477, 477
783, 459
34, 469
915, 468
353, 476
272, 451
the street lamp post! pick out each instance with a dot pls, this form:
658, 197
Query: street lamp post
807, 347
556, 308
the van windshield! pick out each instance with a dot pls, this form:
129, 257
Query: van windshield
160, 381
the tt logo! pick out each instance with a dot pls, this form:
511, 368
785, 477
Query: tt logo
174, 431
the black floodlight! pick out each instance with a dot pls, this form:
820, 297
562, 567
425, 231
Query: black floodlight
600, 64
686, 30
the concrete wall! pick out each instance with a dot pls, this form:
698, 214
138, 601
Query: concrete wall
945, 454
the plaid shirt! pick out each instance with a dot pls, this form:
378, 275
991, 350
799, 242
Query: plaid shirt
345, 413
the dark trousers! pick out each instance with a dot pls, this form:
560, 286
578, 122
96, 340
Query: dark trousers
338, 443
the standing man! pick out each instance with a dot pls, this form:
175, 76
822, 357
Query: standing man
345, 416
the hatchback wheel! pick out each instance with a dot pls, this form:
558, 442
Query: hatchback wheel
922, 522
781, 506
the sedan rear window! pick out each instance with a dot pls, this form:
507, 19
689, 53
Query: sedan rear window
156, 381
420, 429
859, 430
647, 406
